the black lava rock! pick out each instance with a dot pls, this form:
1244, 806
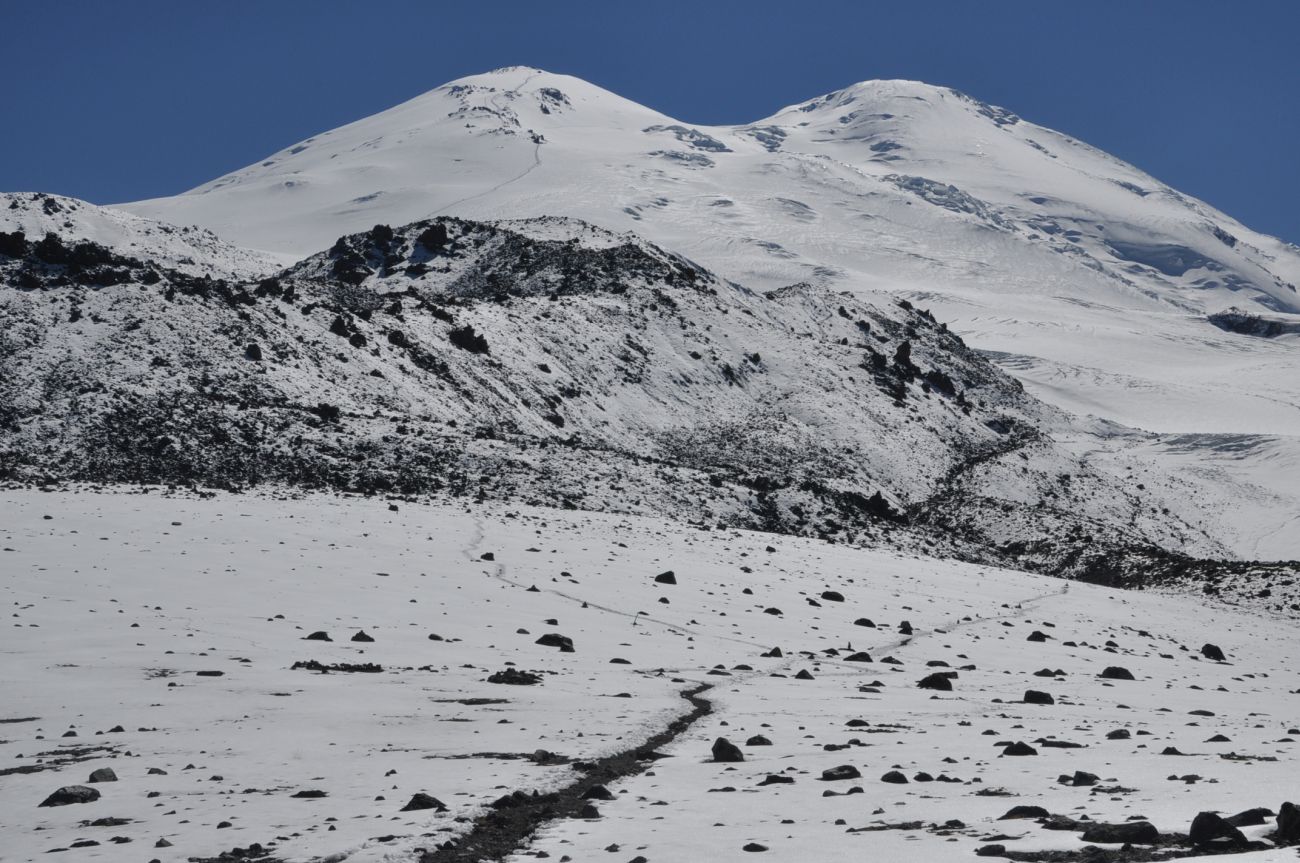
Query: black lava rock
724, 751
421, 800
69, 794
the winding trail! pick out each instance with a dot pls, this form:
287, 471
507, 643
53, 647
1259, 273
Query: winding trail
502, 831
537, 161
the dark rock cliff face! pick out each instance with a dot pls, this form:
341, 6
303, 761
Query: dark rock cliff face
550, 362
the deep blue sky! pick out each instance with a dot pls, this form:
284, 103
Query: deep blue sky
114, 100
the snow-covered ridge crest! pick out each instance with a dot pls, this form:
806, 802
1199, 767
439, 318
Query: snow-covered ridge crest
191, 250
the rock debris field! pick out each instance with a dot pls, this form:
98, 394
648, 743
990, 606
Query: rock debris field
328, 678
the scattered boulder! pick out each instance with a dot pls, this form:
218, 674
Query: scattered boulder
1128, 833
70, 794
1033, 696
1213, 652
832, 596
1288, 824
598, 792
554, 639
362, 636
758, 740
1116, 672
1251, 817
940, 680
1209, 828
420, 800
515, 677
318, 636
894, 777
666, 578
844, 771
1019, 748
103, 774
1025, 812
724, 751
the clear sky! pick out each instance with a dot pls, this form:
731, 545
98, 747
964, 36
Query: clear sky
116, 100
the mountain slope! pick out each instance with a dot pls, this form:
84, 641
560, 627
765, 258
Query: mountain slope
552, 361
1090, 279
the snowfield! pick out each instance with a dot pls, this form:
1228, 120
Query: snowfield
162, 632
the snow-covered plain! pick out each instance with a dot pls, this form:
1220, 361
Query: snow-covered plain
118, 602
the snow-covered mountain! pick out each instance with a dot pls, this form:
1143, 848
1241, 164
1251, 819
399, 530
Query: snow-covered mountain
1106, 292
1089, 278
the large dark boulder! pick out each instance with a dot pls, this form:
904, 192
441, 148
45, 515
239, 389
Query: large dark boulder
554, 639
1210, 829
724, 751
1288, 825
1129, 833
1025, 812
940, 680
70, 794
1213, 652
1116, 672
424, 801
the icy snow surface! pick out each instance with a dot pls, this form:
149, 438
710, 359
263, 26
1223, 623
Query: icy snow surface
118, 602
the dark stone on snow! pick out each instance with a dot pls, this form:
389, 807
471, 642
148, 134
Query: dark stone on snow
420, 800
515, 677
894, 777
1036, 636
754, 847
991, 851
668, 577
1213, 652
362, 636
1115, 672
844, 771
554, 639
1025, 812
309, 794
1129, 833
863, 621
724, 751
805, 674
69, 794
1119, 734
777, 779
1033, 696
758, 740
940, 680
598, 792
1251, 817
1019, 748
860, 656
832, 596
103, 774
1288, 824
1208, 827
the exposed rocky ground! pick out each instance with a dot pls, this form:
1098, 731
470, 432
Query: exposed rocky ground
551, 362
